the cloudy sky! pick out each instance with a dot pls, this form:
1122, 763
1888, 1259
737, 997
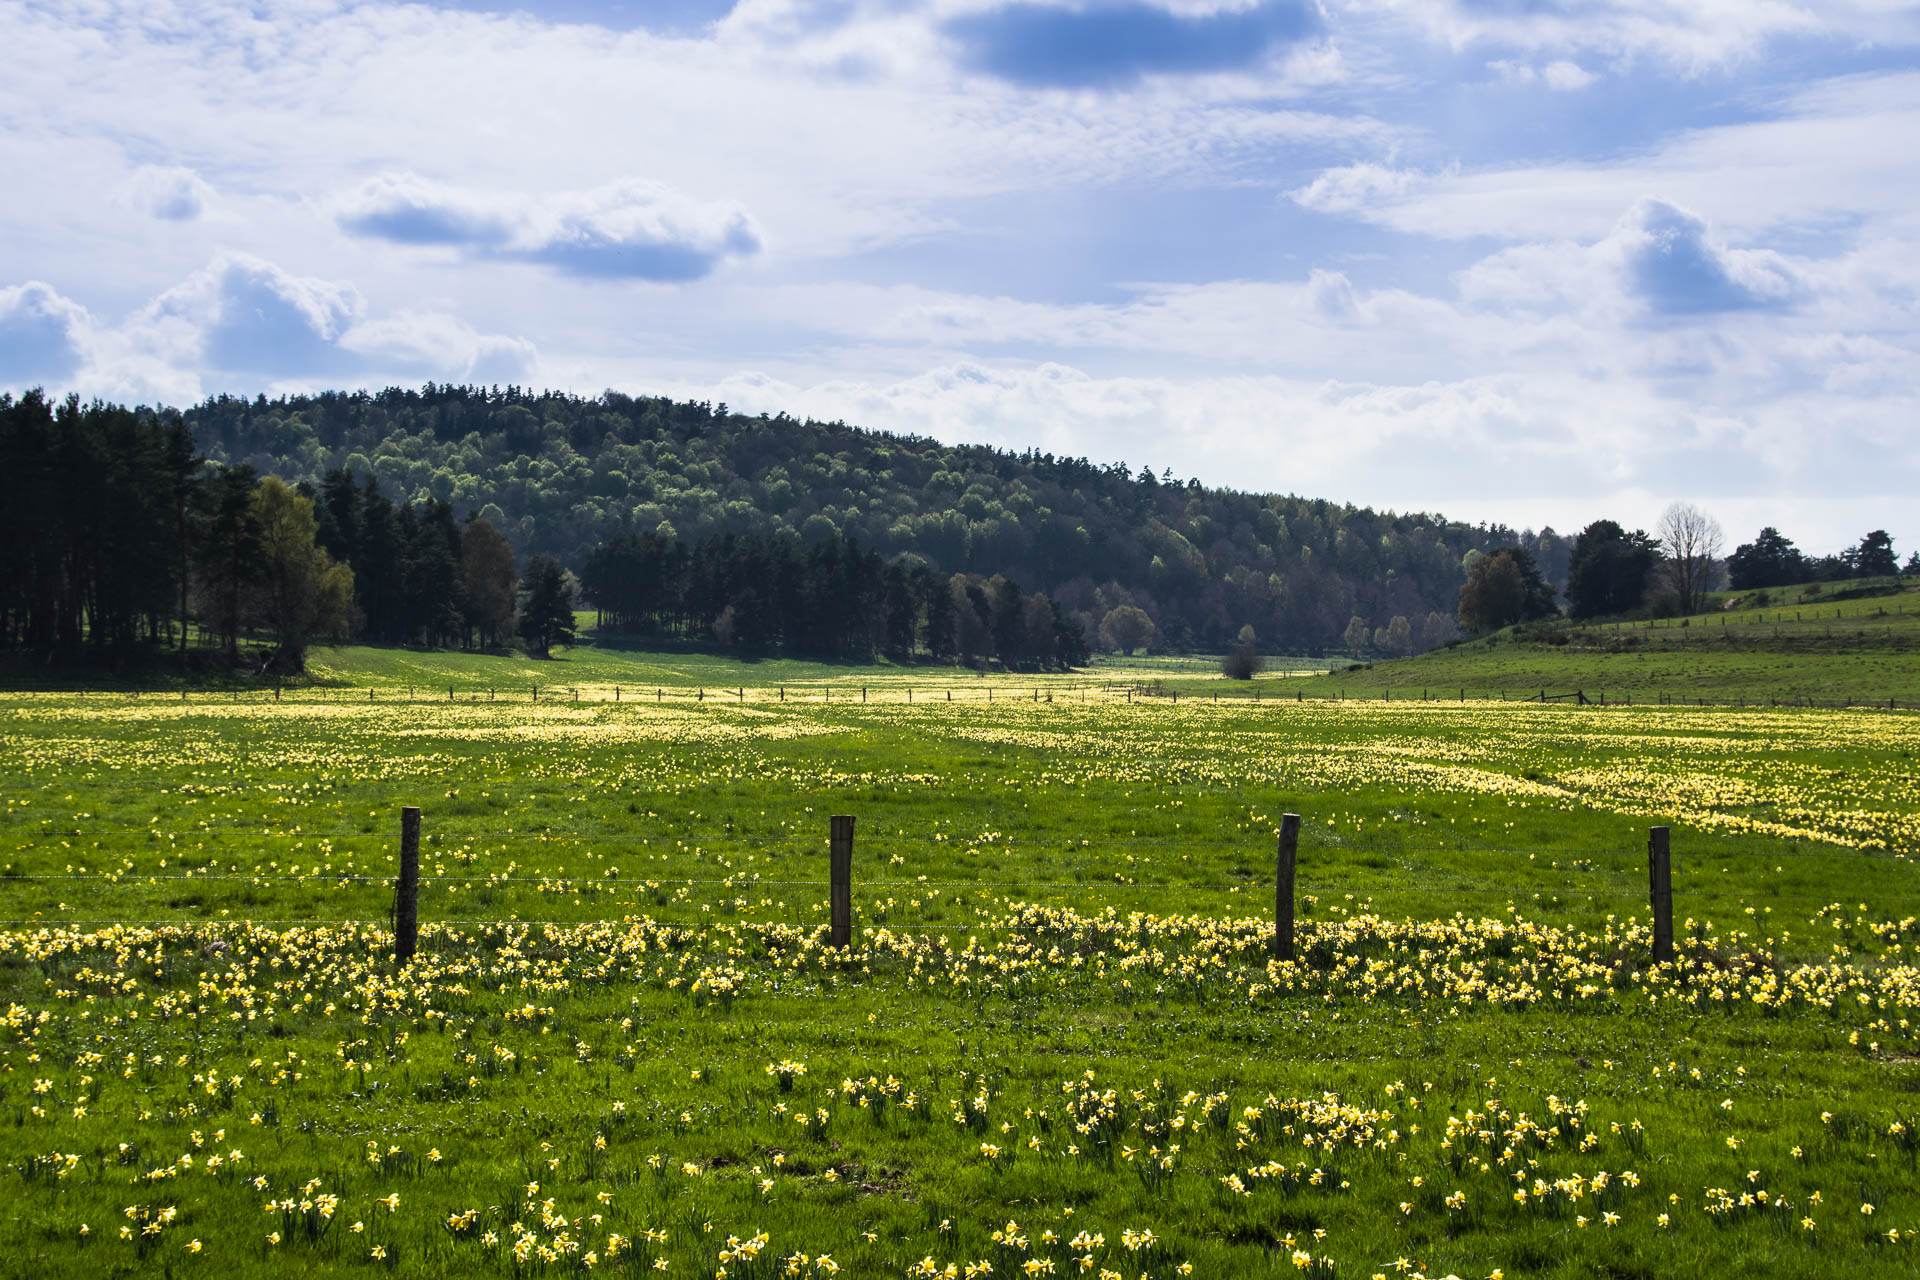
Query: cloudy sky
1533, 260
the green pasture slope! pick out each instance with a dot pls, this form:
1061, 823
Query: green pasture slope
1060, 1044
1792, 647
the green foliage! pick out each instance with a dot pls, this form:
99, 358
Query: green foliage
1770, 560
563, 475
1609, 570
298, 592
546, 606
1126, 628
1502, 589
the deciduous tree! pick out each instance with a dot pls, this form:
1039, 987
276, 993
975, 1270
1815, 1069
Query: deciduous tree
1690, 540
1126, 628
486, 561
299, 592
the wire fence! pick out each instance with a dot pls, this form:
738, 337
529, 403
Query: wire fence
1147, 692
1583, 881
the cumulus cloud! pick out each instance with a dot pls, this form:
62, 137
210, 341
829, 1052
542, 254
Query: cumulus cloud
245, 322
438, 345
248, 315
169, 192
1675, 264
1103, 45
1660, 261
41, 335
626, 230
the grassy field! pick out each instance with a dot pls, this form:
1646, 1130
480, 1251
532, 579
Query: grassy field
1793, 645
1060, 1044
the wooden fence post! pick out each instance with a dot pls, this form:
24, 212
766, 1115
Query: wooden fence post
1660, 889
1283, 886
406, 899
840, 880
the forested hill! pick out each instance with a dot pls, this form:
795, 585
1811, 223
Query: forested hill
562, 474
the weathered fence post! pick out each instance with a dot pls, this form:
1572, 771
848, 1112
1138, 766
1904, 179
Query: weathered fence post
840, 880
406, 898
1283, 886
1660, 889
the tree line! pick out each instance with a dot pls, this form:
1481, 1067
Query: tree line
560, 475
121, 539
1614, 572
832, 600
130, 528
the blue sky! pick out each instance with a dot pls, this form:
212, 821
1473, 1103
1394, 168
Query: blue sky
1541, 261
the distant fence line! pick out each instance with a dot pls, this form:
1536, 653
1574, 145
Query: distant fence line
1128, 693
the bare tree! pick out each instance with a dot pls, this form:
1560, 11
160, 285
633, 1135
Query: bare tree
1690, 540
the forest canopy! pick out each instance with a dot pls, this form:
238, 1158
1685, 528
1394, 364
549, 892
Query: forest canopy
562, 475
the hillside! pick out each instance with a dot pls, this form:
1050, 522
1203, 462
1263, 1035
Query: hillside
561, 475
1825, 643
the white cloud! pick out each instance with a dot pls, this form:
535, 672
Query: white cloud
41, 335
1823, 159
243, 323
439, 346
1561, 75
1659, 260
1566, 77
1359, 189
1693, 38
243, 314
168, 192
631, 229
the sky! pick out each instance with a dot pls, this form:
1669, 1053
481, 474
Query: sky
1533, 261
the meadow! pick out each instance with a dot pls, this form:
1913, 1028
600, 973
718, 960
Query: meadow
1832, 644
1060, 1043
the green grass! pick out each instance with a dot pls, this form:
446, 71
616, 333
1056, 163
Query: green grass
625, 907
1812, 649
